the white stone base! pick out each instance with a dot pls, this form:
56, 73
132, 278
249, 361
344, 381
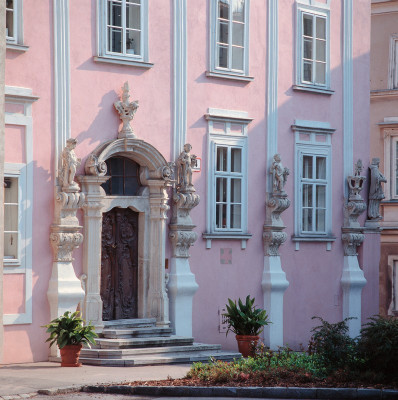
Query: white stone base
181, 288
352, 282
274, 284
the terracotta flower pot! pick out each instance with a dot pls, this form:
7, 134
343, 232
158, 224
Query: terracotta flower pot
70, 355
246, 344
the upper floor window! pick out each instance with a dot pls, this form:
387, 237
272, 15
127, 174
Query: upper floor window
123, 31
11, 218
389, 131
393, 63
14, 31
229, 47
312, 65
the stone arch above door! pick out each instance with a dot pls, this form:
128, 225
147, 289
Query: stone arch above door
155, 174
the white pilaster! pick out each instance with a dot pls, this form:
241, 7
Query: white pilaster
61, 77
180, 76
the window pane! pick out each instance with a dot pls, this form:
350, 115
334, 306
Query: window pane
307, 23
320, 73
223, 32
133, 16
11, 190
307, 195
321, 168
116, 166
11, 245
236, 160
238, 33
223, 57
222, 153
221, 190
320, 220
237, 58
133, 42
321, 196
238, 10
307, 167
221, 216
131, 186
308, 49
236, 211
10, 18
131, 168
321, 28
115, 40
236, 187
11, 217
308, 71
116, 185
223, 8
307, 219
321, 50
114, 14
396, 168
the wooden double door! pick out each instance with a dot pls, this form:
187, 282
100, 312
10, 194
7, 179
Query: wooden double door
119, 264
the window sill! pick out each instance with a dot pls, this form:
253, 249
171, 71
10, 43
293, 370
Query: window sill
226, 236
17, 47
320, 239
313, 89
124, 61
231, 76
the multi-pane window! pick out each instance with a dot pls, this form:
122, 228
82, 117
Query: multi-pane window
123, 29
393, 63
11, 20
313, 187
314, 49
228, 193
229, 37
11, 219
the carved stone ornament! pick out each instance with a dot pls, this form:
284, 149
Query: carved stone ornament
69, 163
272, 239
66, 205
279, 175
376, 194
95, 167
351, 241
126, 110
181, 241
64, 243
356, 182
185, 162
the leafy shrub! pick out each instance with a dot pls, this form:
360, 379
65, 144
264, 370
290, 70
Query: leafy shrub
332, 347
378, 345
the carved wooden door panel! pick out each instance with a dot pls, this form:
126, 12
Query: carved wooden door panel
119, 264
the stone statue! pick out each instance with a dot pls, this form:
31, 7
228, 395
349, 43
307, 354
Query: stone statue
185, 162
376, 193
279, 174
126, 111
69, 163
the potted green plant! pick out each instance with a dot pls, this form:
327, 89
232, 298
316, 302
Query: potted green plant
70, 333
247, 322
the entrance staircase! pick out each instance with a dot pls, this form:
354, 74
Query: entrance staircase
133, 342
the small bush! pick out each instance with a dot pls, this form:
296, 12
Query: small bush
332, 347
378, 346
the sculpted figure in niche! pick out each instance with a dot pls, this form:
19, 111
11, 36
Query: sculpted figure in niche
376, 193
279, 174
69, 165
185, 162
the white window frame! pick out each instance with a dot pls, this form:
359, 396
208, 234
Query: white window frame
24, 173
392, 266
103, 55
228, 73
393, 63
320, 10
231, 139
312, 138
389, 130
15, 42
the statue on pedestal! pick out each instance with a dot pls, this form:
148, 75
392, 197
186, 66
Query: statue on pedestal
376, 193
279, 174
69, 162
185, 162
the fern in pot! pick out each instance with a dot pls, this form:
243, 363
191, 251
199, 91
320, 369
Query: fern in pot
246, 322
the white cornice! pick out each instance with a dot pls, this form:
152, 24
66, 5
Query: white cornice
384, 7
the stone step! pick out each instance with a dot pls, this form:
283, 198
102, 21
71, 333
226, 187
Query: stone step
154, 341
130, 323
135, 332
128, 353
169, 358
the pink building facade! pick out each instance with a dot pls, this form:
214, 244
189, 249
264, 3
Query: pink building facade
240, 81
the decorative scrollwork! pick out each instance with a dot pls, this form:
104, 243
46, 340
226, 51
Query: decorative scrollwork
95, 167
64, 243
272, 240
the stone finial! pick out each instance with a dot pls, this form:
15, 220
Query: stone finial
279, 175
69, 164
356, 182
126, 110
185, 162
376, 194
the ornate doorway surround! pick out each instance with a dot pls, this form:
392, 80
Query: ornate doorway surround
151, 204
